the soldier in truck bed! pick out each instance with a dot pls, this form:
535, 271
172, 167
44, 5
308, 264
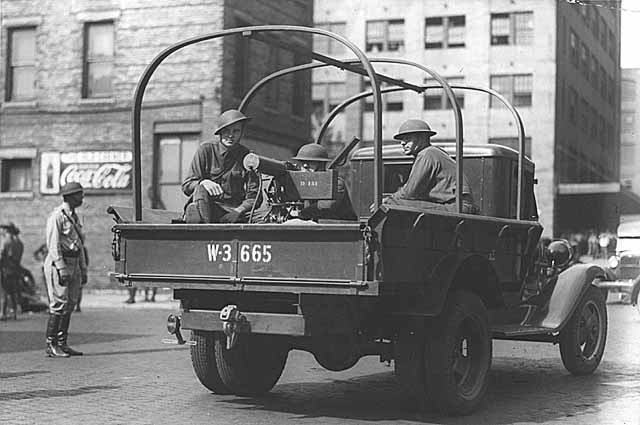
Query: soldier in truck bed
220, 190
313, 157
432, 180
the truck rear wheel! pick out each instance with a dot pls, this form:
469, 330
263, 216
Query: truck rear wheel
583, 339
447, 367
253, 366
203, 360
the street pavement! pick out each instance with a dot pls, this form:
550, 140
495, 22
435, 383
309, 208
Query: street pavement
127, 376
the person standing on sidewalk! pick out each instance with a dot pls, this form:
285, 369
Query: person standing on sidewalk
65, 269
11, 250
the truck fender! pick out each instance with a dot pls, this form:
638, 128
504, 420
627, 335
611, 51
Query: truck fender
570, 287
456, 271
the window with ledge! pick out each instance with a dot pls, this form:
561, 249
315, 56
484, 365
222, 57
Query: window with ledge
573, 100
392, 101
98, 66
512, 28
242, 46
328, 45
385, 36
15, 175
517, 89
436, 99
445, 32
173, 158
573, 48
21, 64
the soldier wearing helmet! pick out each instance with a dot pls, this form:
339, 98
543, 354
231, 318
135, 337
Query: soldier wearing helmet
313, 157
65, 268
432, 180
220, 190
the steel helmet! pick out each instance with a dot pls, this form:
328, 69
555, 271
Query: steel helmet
70, 188
312, 152
228, 117
414, 126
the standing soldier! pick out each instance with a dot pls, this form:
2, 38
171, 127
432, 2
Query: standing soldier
65, 269
11, 250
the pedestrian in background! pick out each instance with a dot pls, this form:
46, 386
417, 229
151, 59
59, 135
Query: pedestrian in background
11, 250
65, 269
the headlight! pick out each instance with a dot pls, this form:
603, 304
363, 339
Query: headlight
613, 262
173, 324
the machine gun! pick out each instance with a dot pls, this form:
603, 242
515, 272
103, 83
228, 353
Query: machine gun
291, 189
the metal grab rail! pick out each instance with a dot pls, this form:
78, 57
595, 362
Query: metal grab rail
248, 32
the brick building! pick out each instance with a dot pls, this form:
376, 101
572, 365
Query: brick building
558, 62
69, 71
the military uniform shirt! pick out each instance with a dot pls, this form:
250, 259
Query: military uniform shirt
65, 237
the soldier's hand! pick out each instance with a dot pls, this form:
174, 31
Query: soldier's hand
65, 277
84, 279
213, 188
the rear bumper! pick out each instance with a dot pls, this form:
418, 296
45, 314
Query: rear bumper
261, 323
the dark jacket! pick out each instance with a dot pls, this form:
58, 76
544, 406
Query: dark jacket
223, 166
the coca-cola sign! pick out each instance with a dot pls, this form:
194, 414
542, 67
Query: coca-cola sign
96, 171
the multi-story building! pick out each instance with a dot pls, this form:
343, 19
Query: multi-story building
69, 70
558, 62
630, 129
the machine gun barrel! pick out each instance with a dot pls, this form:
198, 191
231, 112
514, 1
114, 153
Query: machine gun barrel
265, 165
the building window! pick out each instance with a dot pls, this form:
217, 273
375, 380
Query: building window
327, 45
612, 44
15, 175
326, 96
385, 36
573, 100
174, 155
512, 28
435, 99
21, 64
584, 59
573, 47
393, 101
448, 31
299, 95
628, 122
97, 78
584, 114
517, 89
272, 90
594, 71
241, 61
603, 82
513, 143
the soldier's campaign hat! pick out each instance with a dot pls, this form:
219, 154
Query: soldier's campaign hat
228, 117
312, 152
71, 188
414, 126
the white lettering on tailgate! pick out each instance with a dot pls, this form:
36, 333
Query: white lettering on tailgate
254, 253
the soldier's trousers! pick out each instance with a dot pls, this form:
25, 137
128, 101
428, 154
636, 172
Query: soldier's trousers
62, 299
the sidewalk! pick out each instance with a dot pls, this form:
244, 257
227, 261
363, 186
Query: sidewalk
115, 298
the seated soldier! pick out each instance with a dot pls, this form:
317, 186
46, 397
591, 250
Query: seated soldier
219, 187
432, 180
313, 157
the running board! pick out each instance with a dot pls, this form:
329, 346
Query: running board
524, 333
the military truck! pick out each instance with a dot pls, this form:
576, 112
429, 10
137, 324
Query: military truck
425, 288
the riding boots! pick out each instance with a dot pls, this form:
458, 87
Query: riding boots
53, 350
63, 332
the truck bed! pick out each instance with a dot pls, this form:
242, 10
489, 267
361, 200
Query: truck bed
314, 258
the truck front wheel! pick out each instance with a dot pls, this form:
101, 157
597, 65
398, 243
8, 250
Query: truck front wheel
203, 360
583, 338
458, 355
253, 366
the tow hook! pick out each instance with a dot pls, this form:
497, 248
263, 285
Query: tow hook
232, 320
173, 327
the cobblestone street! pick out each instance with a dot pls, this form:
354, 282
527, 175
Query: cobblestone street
127, 376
